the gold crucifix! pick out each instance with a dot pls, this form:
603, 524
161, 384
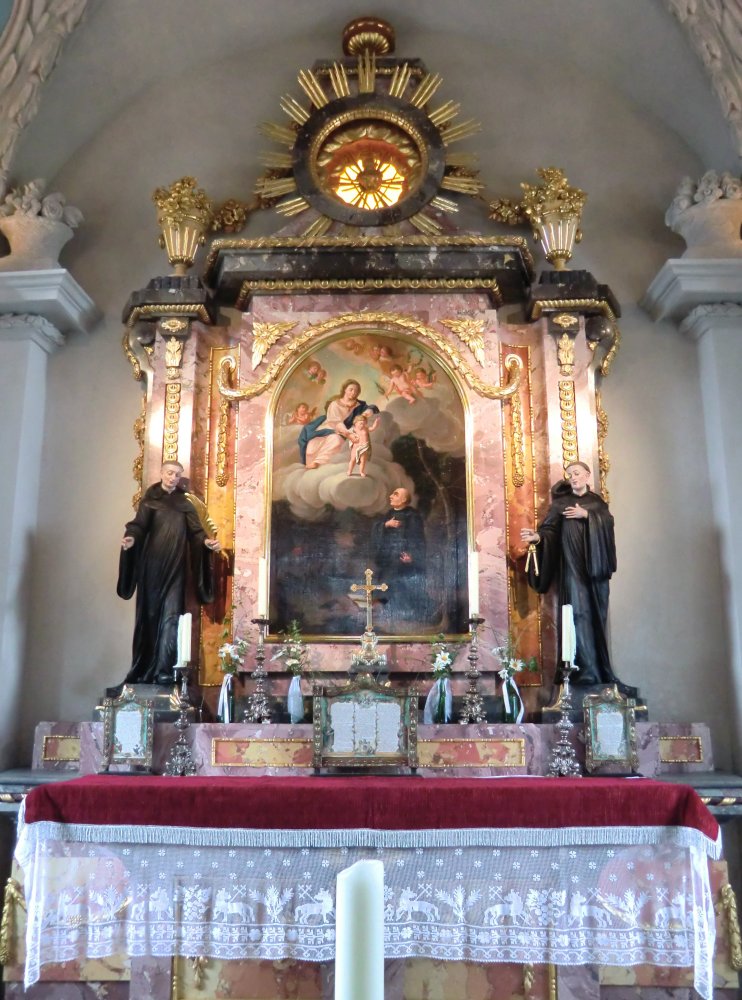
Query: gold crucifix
369, 588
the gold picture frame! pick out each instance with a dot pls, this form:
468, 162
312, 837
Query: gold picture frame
363, 725
610, 733
128, 728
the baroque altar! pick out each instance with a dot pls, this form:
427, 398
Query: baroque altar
372, 372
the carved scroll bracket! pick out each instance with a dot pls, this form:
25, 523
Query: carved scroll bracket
385, 322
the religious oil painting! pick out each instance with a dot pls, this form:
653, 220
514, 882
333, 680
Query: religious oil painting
369, 470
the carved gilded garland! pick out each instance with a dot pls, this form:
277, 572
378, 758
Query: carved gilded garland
390, 321
567, 412
604, 462
172, 422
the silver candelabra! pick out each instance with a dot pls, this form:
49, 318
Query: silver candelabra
257, 709
563, 762
473, 710
180, 762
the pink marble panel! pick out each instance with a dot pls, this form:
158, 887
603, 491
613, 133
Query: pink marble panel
55, 739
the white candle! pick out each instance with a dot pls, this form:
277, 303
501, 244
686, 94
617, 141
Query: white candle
473, 584
569, 642
184, 628
262, 587
359, 932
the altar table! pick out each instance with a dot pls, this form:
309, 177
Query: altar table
562, 871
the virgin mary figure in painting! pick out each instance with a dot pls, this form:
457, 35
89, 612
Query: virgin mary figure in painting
326, 435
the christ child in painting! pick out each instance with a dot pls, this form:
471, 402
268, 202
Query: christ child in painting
360, 443
400, 382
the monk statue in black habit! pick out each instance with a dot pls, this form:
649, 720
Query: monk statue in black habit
158, 545
575, 545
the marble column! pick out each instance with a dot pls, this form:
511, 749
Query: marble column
37, 309
704, 298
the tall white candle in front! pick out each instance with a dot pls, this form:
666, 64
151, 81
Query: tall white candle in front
184, 627
359, 932
568, 634
473, 583
262, 587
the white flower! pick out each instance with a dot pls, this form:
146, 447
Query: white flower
72, 216
30, 200
52, 207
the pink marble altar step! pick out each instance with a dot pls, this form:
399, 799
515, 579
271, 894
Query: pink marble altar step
243, 749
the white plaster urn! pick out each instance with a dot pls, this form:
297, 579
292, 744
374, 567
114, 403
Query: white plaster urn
708, 215
36, 227
35, 242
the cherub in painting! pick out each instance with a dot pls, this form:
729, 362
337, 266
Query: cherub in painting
360, 443
302, 414
400, 382
424, 379
315, 372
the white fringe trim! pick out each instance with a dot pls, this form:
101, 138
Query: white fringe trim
33, 834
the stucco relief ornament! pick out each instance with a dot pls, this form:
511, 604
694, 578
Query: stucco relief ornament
708, 215
36, 226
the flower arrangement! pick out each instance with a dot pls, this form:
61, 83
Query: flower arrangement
232, 655
510, 666
439, 703
30, 200
295, 654
441, 658
712, 187
294, 651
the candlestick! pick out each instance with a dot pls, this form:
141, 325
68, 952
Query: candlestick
473, 708
180, 762
359, 932
257, 708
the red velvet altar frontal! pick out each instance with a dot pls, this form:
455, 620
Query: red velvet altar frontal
397, 803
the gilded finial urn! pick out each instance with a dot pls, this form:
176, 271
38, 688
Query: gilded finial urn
184, 214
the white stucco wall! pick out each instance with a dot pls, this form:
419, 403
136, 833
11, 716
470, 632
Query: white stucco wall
544, 98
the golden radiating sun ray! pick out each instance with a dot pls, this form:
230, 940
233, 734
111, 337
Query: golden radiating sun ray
461, 131
464, 185
294, 206
400, 79
444, 113
275, 187
425, 224
294, 110
428, 86
312, 88
279, 133
339, 80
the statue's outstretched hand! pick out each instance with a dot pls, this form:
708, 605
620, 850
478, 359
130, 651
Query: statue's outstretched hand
532, 537
127, 542
213, 544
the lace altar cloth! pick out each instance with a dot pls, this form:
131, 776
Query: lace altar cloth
609, 891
